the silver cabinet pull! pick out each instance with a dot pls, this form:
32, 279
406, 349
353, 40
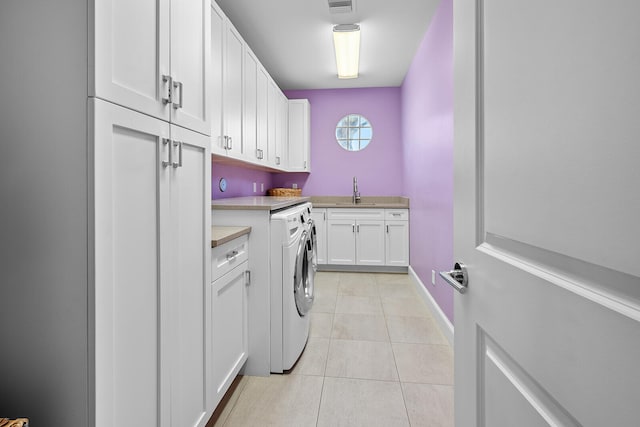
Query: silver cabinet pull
166, 79
277, 160
230, 142
248, 272
353, 228
232, 255
387, 229
457, 278
179, 145
178, 85
167, 162
358, 228
225, 138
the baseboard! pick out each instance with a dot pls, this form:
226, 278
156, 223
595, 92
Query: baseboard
362, 268
443, 321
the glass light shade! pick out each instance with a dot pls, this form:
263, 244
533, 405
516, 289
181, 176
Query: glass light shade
346, 42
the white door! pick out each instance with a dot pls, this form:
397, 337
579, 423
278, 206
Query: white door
190, 62
250, 107
216, 71
190, 188
131, 267
546, 213
232, 90
397, 243
272, 122
370, 242
262, 112
341, 241
131, 55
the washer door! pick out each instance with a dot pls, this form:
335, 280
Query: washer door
303, 277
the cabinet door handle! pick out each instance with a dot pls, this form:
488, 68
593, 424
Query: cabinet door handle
230, 142
178, 85
358, 228
166, 79
248, 272
232, 255
226, 142
167, 162
387, 229
179, 145
277, 160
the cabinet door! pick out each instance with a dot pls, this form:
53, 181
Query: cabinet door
190, 63
130, 55
131, 267
272, 122
370, 242
299, 136
341, 247
250, 116
319, 217
190, 229
232, 91
262, 131
230, 328
397, 243
216, 70
282, 131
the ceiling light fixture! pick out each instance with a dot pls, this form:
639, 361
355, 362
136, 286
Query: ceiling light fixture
346, 42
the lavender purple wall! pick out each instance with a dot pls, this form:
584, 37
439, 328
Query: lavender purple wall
378, 167
427, 134
239, 181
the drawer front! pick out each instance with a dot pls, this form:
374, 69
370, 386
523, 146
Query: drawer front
357, 213
396, 214
229, 255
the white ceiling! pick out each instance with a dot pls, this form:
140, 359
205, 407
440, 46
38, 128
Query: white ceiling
293, 39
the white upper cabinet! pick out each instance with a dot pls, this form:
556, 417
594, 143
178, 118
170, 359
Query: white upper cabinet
153, 57
272, 120
250, 113
232, 90
282, 131
217, 66
299, 136
262, 125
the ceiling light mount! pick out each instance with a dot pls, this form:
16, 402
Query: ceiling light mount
340, 6
346, 41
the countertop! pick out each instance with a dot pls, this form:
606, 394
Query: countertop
388, 202
268, 203
221, 235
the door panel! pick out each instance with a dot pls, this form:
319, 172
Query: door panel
370, 242
190, 61
545, 131
131, 54
131, 192
190, 208
232, 92
341, 244
216, 72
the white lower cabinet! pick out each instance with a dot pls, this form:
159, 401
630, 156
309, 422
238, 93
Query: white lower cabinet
365, 237
229, 291
151, 190
355, 236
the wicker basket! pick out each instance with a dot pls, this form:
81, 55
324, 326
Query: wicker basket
284, 192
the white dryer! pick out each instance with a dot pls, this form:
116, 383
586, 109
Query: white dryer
292, 273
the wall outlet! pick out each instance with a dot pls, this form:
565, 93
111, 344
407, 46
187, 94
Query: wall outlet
294, 185
433, 277
262, 187
254, 187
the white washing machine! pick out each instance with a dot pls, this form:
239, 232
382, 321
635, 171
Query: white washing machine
293, 267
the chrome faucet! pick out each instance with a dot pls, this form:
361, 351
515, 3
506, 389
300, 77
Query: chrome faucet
356, 193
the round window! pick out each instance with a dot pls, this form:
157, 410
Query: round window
354, 132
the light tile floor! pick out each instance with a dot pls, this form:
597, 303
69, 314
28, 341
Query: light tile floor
375, 357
